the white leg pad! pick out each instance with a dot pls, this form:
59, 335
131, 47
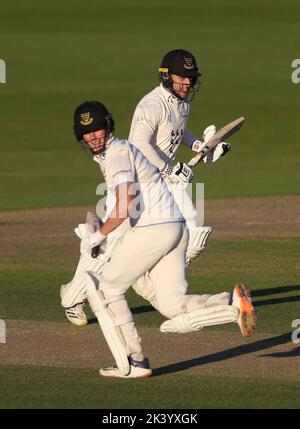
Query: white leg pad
222, 298
198, 319
75, 292
197, 241
109, 324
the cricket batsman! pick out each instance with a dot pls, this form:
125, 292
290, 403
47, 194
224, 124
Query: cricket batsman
159, 126
156, 243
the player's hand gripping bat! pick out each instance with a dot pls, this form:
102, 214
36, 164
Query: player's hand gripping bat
94, 223
221, 135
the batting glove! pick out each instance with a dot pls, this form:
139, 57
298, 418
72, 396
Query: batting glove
82, 230
220, 150
90, 241
182, 173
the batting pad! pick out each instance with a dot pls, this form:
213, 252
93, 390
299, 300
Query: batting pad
197, 240
107, 322
198, 319
75, 291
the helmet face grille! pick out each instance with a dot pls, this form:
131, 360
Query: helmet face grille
167, 82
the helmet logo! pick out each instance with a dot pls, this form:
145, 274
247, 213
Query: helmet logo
86, 119
188, 63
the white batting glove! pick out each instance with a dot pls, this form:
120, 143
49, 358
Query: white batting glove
209, 132
180, 173
91, 240
82, 230
220, 150
93, 223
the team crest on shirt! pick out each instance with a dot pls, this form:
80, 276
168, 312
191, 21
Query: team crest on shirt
86, 118
143, 119
188, 63
175, 139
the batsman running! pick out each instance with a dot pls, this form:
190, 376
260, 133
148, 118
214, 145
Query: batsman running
159, 126
156, 242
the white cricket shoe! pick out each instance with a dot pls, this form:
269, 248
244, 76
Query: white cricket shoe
75, 314
138, 369
241, 298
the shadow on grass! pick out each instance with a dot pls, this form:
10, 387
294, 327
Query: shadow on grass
224, 355
273, 291
291, 353
255, 293
276, 301
134, 310
92, 321
142, 309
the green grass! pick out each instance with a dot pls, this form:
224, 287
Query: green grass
58, 54
270, 267
45, 387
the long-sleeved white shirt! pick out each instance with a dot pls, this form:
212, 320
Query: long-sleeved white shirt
159, 125
124, 163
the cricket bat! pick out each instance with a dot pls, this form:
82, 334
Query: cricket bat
221, 135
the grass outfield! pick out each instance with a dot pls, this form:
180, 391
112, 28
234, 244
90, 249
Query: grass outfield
59, 54
30, 289
48, 363
65, 388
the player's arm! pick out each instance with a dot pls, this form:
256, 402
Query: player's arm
94, 232
121, 170
145, 123
124, 198
188, 138
143, 129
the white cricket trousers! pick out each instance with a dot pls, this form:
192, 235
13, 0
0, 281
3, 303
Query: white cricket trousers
184, 203
159, 249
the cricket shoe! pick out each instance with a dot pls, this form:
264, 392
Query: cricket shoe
138, 369
75, 314
241, 298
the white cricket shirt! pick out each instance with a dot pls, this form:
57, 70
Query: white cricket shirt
159, 125
122, 163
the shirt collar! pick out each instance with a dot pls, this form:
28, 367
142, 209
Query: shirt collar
102, 155
171, 98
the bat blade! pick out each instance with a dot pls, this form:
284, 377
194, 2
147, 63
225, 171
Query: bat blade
221, 135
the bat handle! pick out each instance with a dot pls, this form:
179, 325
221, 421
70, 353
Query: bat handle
202, 154
194, 161
95, 251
